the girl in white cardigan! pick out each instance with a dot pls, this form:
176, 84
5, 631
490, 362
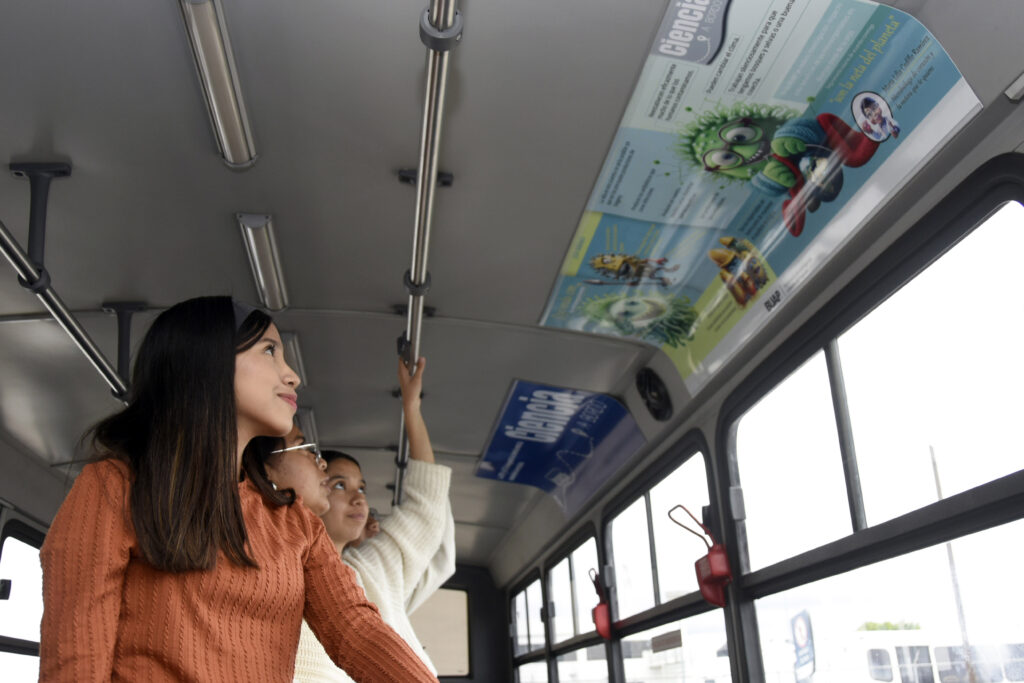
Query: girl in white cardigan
414, 552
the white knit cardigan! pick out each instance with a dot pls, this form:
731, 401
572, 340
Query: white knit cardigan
399, 568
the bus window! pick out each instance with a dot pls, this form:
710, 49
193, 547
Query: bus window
953, 666
586, 664
632, 554
879, 664
583, 560
520, 626
534, 672
442, 625
1013, 662
903, 606
692, 649
534, 601
675, 553
932, 377
790, 468
915, 664
560, 590
572, 593
22, 611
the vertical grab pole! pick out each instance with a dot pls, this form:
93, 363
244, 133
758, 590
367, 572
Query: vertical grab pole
440, 29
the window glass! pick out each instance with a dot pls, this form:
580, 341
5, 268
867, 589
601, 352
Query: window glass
954, 666
879, 665
790, 468
907, 607
519, 624
442, 625
584, 559
21, 613
693, 649
932, 375
676, 549
631, 549
534, 672
560, 590
915, 664
588, 665
1013, 661
19, 667
534, 602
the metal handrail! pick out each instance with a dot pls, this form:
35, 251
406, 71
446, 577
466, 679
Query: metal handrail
441, 17
31, 275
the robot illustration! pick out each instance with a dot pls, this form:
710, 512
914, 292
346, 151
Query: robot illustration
630, 270
740, 268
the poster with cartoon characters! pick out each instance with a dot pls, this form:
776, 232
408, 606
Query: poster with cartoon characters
761, 134
566, 442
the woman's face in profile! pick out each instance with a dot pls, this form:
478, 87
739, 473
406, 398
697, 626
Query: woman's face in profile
265, 398
301, 470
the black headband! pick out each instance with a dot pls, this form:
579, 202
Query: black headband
242, 311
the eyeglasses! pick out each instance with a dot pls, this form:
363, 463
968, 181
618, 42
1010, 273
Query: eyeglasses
311, 447
742, 131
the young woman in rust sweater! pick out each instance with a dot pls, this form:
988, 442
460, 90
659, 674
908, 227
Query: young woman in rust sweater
171, 560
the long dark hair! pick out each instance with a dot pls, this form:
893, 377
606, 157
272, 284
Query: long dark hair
255, 458
178, 435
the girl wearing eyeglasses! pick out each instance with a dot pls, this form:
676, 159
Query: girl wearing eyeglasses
171, 560
414, 551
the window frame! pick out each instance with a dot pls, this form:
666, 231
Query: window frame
692, 604
520, 587
16, 528
572, 544
989, 505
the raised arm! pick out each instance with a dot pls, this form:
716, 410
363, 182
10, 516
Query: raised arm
412, 538
440, 568
350, 627
84, 559
415, 428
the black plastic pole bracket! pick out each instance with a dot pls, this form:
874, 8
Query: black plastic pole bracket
437, 39
409, 176
124, 311
39, 176
41, 284
413, 288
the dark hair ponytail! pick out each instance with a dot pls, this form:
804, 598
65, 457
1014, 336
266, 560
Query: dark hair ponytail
178, 435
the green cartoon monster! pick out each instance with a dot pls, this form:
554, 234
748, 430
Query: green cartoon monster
777, 152
657, 318
736, 142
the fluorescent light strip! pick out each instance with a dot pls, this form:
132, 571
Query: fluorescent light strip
293, 354
211, 48
258, 235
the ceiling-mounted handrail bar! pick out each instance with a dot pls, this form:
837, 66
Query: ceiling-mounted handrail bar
440, 29
33, 276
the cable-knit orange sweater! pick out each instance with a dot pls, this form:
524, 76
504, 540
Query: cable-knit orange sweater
111, 616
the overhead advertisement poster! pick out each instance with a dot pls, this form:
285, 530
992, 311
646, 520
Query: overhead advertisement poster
760, 136
564, 441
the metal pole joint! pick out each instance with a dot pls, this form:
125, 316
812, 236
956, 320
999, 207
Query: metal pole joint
413, 288
441, 40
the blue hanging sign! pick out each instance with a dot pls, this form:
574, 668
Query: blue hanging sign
564, 441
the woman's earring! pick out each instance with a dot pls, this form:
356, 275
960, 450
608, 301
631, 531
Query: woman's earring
273, 485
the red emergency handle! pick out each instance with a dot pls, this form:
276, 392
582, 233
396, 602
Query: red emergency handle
713, 573
600, 614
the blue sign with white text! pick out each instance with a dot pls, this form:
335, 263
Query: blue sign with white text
563, 441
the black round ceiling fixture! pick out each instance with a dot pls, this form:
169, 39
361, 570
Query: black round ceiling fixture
654, 393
